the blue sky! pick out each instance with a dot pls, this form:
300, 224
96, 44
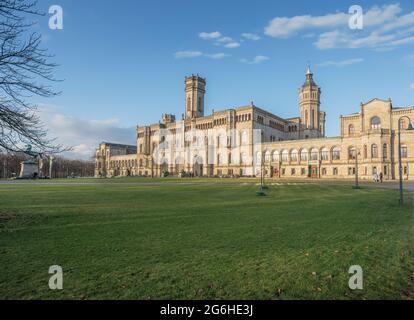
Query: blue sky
124, 62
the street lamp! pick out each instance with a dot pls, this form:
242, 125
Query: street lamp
261, 193
357, 153
410, 127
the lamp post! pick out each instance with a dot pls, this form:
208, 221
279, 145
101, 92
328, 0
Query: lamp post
261, 172
400, 170
356, 168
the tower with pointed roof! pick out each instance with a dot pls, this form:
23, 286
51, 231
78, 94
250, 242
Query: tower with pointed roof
312, 118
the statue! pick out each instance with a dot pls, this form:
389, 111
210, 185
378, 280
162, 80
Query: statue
30, 169
31, 153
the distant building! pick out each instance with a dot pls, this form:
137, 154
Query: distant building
247, 140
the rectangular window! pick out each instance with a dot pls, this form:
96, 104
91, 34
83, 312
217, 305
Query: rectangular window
404, 151
293, 172
335, 171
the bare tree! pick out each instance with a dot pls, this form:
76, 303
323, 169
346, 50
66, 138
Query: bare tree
24, 70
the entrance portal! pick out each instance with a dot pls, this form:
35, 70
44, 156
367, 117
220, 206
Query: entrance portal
198, 167
313, 172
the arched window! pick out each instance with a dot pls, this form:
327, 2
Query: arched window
325, 154
306, 118
294, 155
304, 155
384, 151
336, 153
275, 156
285, 156
375, 123
374, 151
351, 153
351, 129
267, 156
314, 154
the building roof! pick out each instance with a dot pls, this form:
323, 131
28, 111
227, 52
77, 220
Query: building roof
118, 145
309, 78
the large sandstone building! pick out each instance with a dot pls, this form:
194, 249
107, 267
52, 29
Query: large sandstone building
249, 141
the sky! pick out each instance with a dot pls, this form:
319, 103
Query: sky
123, 62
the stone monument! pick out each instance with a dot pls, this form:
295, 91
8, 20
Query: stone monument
30, 169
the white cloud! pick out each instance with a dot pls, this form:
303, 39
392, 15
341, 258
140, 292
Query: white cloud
377, 16
255, 60
210, 35
384, 28
232, 45
251, 36
283, 27
199, 54
225, 40
375, 40
402, 21
217, 56
84, 135
342, 63
188, 54
219, 39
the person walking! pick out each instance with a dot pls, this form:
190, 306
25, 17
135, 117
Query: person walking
381, 177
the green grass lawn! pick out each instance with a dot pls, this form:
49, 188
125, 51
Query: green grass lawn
204, 241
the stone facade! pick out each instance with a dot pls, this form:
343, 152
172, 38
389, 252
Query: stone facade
249, 141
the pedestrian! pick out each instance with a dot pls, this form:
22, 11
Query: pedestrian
381, 177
